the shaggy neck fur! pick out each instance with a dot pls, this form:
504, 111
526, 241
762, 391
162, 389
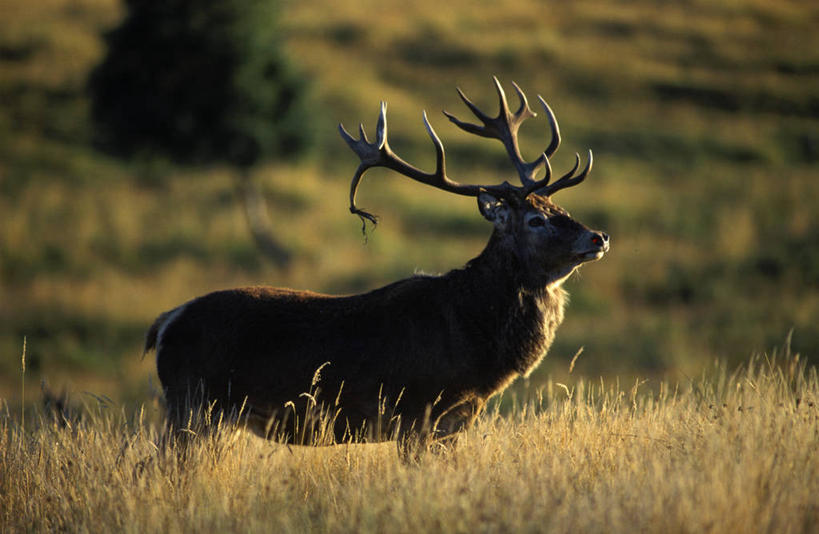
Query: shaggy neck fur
523, 316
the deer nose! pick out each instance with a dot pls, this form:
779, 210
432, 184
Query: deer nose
601, 239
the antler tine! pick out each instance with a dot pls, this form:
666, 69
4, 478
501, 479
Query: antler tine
555, 143
568, 179
490, 128
504, 127
503, 104
468, 126
440, 158
524, 108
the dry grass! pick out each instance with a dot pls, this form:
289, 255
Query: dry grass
720, 454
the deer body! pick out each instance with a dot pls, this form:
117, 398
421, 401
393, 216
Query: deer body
420, 356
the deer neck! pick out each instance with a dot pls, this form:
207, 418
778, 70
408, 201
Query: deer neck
518, 317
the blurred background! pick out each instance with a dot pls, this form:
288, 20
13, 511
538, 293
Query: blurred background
703, 117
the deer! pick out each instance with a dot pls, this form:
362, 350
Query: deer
414, 361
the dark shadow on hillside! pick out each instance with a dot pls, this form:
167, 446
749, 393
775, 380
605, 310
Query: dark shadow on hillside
70, 340
669, 147
736, 100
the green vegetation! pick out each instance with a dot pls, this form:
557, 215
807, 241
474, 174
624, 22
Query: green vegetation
703, 118
731, 452
203, 82
200, 81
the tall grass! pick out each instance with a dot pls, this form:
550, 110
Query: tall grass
724, 453
702, 117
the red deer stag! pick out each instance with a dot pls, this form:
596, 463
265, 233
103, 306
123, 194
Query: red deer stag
418, 358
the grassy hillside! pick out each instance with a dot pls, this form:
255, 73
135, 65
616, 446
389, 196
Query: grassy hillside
703, 117
725, 453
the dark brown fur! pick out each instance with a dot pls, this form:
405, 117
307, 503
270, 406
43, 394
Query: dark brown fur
420, 356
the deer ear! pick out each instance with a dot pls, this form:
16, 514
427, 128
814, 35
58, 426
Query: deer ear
494, 210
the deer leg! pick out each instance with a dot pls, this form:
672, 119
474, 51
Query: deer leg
442, 434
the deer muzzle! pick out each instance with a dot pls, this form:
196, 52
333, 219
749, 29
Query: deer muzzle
592, 246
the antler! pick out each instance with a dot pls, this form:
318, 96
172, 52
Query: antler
567, 180
504, 127
379, 154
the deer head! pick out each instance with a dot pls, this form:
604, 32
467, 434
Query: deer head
538, 236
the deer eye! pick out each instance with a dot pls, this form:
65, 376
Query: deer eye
534, 222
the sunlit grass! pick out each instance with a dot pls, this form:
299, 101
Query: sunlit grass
728, 452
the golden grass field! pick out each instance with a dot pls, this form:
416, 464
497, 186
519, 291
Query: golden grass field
704, 121
722, 453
